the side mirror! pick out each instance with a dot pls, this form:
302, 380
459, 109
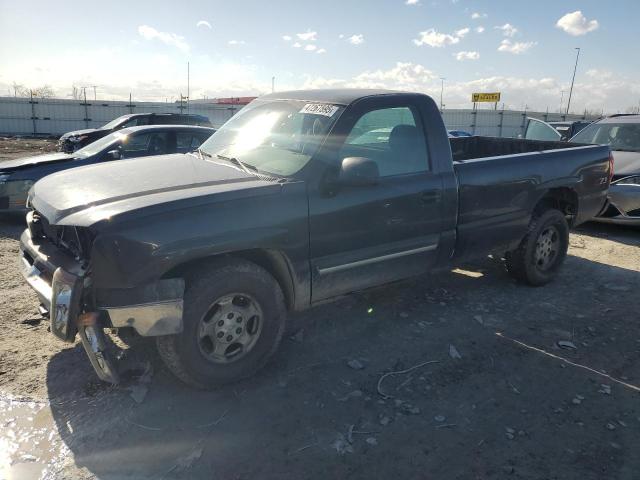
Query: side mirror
114, 154
358, 172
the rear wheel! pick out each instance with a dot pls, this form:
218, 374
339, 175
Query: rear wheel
234, 317
542, 251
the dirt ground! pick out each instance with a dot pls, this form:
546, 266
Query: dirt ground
14, 147
504, 399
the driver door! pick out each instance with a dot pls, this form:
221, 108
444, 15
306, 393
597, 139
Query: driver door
369, 235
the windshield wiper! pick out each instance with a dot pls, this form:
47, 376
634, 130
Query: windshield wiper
250, 169
204, 154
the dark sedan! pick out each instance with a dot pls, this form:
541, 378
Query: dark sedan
72, 141
17, 176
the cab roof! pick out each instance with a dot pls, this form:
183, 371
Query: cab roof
336, 96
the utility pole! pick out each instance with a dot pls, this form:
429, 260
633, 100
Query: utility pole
561, 99
188, 87
273, 84
573, 79
95, 97
442, 79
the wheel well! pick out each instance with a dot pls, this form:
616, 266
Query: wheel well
563, 199
272, 261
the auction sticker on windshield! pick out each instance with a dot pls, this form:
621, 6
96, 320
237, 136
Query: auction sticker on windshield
319, 109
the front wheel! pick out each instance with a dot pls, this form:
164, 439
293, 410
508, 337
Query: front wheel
542, 251
234, 318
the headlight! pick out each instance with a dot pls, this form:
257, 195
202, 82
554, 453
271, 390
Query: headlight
4, 179
77, 139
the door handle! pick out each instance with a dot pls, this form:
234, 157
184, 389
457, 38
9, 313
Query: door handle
430, 196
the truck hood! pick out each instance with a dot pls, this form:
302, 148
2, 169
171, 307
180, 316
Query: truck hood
26, 162
86, 195
626, 163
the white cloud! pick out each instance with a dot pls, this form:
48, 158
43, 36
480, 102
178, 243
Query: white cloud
139, 74
286, 38
321, 50
356, 39
412, 2
460, 56
203, 23
172, 39
600, 74
480, 29
508, 30
297, 45
478, 15
515, 47
575, 23
462, 32
308, 36
436, 39
403, 76
310, 48
236, 42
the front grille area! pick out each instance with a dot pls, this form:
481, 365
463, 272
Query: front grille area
70, 239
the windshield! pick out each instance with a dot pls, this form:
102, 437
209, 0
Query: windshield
99, 145
274, 136
114, 123
619, 136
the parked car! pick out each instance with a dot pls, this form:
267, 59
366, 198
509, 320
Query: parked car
458, 133
17, 176
284, 207
622, 134
72, 141
539, 130
569, 129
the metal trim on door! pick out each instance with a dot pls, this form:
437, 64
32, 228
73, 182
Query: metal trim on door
369, 261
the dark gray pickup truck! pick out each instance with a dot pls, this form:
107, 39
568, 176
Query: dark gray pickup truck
302, 196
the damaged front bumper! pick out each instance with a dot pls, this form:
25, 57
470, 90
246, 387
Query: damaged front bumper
75, 307
623, 202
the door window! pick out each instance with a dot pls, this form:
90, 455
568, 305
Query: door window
187, 142
144, 144
390, 137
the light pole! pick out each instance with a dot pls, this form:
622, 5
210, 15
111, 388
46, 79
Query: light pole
573, 79
442, 79
561, 99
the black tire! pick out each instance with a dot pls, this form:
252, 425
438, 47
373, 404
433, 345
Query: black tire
524, 264
183, 354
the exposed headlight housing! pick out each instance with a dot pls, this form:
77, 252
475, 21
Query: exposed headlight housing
77, 139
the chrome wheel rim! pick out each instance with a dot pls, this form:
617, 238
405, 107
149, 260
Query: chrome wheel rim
547, 248
230, 328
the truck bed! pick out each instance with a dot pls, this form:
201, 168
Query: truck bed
468, 148
501, 179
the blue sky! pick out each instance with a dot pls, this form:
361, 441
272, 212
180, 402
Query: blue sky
524, 49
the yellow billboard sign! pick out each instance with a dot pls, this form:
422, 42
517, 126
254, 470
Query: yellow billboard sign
485, 97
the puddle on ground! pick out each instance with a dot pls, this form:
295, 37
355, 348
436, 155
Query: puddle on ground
30, 446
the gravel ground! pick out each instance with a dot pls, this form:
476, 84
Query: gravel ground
504, 399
